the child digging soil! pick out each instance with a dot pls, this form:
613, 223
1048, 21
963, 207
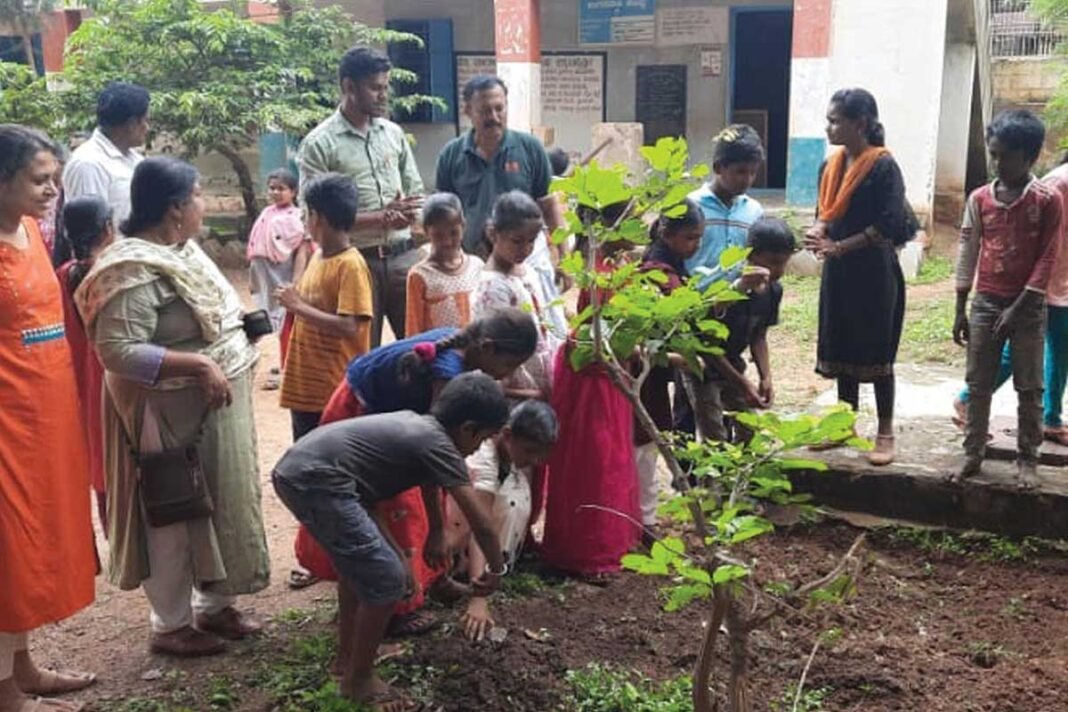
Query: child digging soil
331, 480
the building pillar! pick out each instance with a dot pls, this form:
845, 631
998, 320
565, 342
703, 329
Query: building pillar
810, 84
518, 43
56, 27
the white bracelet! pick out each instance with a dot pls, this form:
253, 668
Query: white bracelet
497, 573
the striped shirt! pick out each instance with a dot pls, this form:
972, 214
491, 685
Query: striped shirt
316, 360
725, 226
1010, 247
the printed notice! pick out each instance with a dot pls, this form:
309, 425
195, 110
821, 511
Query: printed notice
676, 26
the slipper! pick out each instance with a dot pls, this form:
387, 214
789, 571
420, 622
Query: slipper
1056, 435
53, 682
299, 579
43, 704
412, 624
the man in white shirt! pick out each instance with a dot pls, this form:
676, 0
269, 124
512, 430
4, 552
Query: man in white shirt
104, 165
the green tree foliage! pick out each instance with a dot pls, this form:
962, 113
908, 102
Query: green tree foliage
631, 326
25, 99
217, 79
1055, 13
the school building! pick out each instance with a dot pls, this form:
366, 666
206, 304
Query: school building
689, 67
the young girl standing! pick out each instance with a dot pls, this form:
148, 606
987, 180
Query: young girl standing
278, 250
592, 498
513, 228
407, 375
440, 287
89, 230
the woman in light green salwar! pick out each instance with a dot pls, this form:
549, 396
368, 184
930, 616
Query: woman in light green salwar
168, 328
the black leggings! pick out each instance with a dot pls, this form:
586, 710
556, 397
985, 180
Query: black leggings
849, 392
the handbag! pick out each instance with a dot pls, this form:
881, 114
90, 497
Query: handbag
173, 487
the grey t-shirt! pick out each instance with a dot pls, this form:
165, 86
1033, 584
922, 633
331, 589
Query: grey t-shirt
374, 456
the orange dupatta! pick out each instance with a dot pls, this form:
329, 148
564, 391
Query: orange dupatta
838, 183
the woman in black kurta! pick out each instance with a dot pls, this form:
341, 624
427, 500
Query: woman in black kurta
862, 294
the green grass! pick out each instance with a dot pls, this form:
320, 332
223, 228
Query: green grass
927, 335
935, 269
603, 688
981, 546
799, 313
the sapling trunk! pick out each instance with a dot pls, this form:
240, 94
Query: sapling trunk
738, 639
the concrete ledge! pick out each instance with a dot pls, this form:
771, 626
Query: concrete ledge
918, 492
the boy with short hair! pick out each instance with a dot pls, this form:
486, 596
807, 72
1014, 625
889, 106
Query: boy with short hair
725, 386
332, 479
1010, 237
729, 212
332, 304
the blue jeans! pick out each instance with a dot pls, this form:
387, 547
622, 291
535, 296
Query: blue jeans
1056, 366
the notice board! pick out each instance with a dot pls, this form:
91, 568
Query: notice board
617, 22
572, 92
660, 98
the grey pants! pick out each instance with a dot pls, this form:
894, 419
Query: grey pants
984, 358
713, 398
389, 284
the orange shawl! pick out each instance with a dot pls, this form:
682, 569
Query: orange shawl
838, 183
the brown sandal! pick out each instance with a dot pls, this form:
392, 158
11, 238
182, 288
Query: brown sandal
186, 642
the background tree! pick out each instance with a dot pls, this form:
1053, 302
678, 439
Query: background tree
218, 80
25, 99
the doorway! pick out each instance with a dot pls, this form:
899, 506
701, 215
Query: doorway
761, 44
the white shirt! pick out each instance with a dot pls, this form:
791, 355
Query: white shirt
98, 168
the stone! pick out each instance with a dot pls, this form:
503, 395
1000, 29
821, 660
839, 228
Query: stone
804, 264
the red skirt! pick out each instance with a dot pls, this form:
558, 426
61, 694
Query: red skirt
405, 514
591, 464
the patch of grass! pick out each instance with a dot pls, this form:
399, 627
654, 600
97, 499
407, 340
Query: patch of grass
603, 688
981, 546
799, 313
141, 704
927, 335
986, 654
526, 584
935, 269
811, 699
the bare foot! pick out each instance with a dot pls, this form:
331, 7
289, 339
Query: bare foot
52, 682
972, 467
1026, 475
379, 696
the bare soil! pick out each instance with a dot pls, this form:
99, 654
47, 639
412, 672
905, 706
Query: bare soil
930, 632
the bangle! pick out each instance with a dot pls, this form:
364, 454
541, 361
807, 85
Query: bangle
502, 572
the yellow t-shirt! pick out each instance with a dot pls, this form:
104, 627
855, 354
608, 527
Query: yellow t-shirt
316, 360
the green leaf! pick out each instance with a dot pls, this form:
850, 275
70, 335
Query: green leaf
639, 563
728, 572
693, 573
580, 357
684, 594
802, 464
749, 527
732, 256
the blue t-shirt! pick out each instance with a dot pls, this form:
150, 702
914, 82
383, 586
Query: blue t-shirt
725, 226
375, 379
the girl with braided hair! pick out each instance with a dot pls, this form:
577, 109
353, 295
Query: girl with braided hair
408, 375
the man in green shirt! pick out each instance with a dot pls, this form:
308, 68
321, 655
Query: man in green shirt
490, 160
358, 141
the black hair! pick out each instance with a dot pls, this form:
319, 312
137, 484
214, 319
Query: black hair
511, 331
664, 224
857, 104
120, 102
560, 161
1019, 130
771, 235
482, 82
513, 210
738, 143
335, 197
442, 206
361, 62
18, 146
471, 399
534, 421
159, 183
85, 220
287, 178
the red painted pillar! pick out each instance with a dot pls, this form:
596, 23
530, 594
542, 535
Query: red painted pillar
518, 43
56, 27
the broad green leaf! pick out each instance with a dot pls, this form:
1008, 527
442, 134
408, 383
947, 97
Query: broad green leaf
639, 563
802, 464
732, 256
693, 573
749, 527
728, 572
684, 594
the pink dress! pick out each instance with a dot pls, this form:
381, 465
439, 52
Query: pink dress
592, 501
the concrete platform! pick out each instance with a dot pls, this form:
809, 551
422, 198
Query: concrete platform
929, 449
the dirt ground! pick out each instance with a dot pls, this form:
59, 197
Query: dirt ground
928, 631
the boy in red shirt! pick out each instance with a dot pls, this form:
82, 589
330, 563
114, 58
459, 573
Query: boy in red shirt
1010, 236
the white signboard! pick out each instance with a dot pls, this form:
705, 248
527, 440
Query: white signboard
676, 26
572, 93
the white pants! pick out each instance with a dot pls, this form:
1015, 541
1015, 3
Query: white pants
646, 457
10, 644
171, 589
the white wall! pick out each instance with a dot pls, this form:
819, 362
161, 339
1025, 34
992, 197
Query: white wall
953, 130
473, 30
895, 50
